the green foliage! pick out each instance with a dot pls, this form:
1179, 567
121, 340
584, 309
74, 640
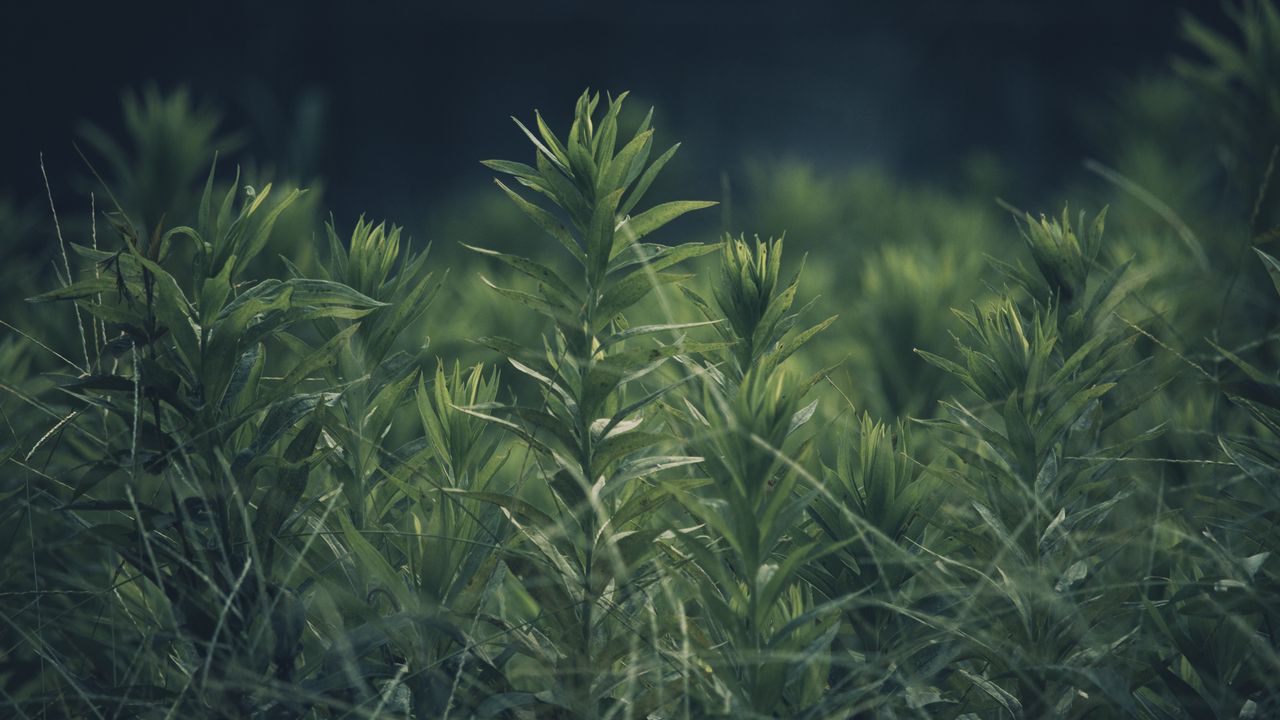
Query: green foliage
757, 624
1031, 461
256, 494
169, 144
1236, 78
896, 311
584, 561
753, 310
202, 458
1222, 595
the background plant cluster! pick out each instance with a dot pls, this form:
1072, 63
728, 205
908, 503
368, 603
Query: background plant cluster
962, 460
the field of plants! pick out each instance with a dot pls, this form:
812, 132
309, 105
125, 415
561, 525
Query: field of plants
599, 453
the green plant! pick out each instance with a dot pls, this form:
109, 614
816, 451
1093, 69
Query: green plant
1235, 75
155, 174
757, 625
1217, 617
194, 458
1038, 475
896, 312
264, 497
581, 559
878, 504
376, 378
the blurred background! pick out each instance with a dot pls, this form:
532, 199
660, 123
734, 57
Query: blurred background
885, 139
393, 103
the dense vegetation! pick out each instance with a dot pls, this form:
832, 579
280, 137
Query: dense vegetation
633, 477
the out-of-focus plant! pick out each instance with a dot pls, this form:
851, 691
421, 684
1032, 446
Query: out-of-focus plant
852, 213
897, 310
154, 174
1046, 620
1218, 616
1237, 75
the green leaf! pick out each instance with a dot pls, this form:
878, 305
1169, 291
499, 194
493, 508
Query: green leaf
552, 141
606, 138
520, 431
1249, 369
535, 421
622, 367
639, 330
547, 222
527, 512
638, 405
1010, 703
331, 299
782, 577
580, 160
772, 316
285, 492
787, 346
655, 257
1247, 459
646, 465
1021, 441
646, 179
1265, 414
639, 505
557, 157
564, 193
1069, 412
214, 292
508, 348
946, 365
549, 307
373, 563
564, 295
262, 231
615, 174
1001, 532
631, 290
324, 357
387, 324
639, 226
174, 311
117, 314
517, 169
244, 376
600, 235
91, 287
282, 416
620, 444
1273, 267
91, 478
384, 405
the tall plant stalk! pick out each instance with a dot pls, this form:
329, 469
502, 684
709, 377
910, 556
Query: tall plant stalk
589, 429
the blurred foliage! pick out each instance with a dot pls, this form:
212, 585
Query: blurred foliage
152, 173
1235, 73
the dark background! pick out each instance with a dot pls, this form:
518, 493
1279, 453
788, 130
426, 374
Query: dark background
407, 97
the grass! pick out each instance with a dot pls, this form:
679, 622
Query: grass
676, 485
